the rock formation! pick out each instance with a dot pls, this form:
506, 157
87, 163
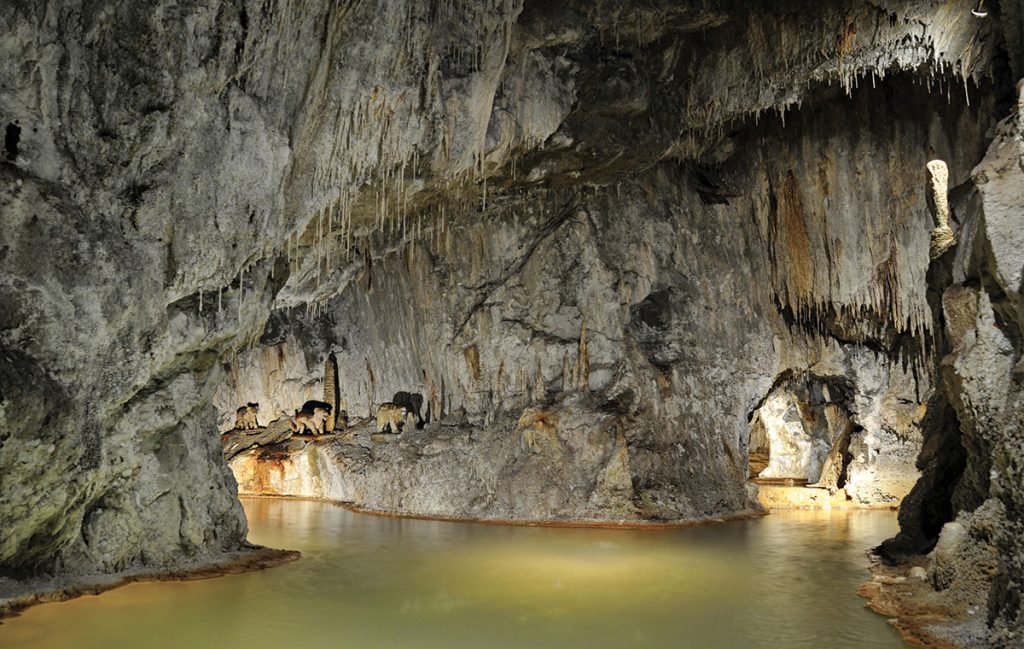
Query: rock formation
608, 230
938, 198
966, 510
331, 390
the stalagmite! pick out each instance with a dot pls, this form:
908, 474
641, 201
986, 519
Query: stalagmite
444, 398
938, 203
371, 384
435, 409
367, 267
331, 389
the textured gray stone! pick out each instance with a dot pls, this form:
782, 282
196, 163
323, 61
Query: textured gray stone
206, 199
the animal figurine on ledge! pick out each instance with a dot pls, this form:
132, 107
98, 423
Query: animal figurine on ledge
245, 417
411, 401
341, 420
311, 417
392, 416
313, 404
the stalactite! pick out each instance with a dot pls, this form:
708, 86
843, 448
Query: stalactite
583, 379
539, 388
241, 292
443, 397
472, 355
566, 373
942, 238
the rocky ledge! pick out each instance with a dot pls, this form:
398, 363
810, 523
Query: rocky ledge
941, 600
568, 463
16, 596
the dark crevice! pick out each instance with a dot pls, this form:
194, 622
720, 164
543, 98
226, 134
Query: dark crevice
943, 458
929, 505
11, 139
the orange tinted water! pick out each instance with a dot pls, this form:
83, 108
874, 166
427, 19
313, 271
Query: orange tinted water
786, 580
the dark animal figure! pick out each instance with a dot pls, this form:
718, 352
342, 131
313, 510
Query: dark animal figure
312, 405
411, 401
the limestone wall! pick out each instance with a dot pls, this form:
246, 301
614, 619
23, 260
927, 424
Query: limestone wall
444, 194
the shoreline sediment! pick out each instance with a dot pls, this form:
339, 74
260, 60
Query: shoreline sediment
905, 601
61, 589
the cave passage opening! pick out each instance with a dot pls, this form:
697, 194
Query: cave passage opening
801, 435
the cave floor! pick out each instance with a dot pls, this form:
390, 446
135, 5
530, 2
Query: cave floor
780, 496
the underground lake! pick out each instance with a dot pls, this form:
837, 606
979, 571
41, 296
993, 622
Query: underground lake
784, 580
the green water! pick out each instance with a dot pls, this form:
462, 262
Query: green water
787, 580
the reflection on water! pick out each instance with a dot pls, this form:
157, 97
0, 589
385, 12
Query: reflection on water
784, 581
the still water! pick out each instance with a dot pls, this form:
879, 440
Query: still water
784, 581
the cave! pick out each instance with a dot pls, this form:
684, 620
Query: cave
802, 434
512, 323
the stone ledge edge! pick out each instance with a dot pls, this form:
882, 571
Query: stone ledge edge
246, 560
917, 624
526, 522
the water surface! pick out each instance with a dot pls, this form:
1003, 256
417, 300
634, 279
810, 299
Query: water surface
784, 581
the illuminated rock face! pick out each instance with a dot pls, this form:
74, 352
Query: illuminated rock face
795, 451
679, 297
567, 463
200, 203
983, 374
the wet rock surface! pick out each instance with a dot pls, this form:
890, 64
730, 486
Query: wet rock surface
967, 509
567, 463
486, 314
